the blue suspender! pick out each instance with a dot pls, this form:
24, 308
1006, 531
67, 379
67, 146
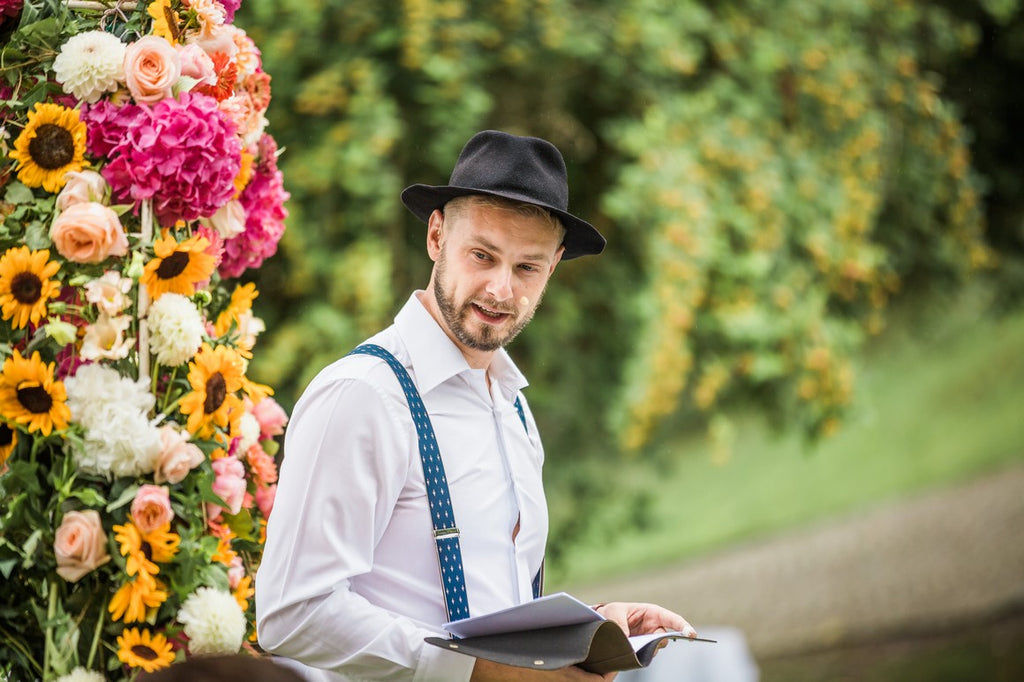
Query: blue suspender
446, 533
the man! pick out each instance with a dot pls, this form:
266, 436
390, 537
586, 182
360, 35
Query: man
351, 578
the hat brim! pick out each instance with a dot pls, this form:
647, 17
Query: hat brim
581, 238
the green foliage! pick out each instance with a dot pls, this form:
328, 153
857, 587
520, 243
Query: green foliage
769, 176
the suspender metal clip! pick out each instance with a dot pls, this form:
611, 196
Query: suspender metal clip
446, 532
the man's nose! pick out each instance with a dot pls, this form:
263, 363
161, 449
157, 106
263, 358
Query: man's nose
499, 286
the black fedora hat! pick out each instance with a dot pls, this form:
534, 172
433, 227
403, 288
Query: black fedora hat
526, 169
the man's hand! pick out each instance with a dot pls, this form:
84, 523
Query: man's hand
489, 671
644, 619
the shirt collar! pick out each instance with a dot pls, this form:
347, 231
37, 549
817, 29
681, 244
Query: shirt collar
436, 358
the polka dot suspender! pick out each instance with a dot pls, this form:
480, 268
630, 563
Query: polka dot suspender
446, 533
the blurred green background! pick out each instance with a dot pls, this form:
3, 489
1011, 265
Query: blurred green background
811, 297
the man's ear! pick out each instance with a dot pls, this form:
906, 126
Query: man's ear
557, 258
435, 234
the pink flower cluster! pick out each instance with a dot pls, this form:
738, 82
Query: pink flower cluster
182, 153
11, 8
263, 200
230, 7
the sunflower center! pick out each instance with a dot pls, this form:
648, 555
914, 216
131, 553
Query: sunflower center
53, 147
216, 393
173, 265
6, 435
26, 287
35, 399
143, 651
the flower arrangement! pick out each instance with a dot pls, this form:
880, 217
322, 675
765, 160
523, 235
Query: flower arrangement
137, 462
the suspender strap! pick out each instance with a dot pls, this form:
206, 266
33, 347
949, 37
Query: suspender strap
442, 517
446, 533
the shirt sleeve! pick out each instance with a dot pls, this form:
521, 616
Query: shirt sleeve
346, 460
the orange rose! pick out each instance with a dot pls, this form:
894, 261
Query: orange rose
151, 68
88, 232
80, 545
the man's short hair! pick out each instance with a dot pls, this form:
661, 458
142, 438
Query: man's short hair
457, 207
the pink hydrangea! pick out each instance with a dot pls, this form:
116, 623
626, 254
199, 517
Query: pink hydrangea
263, 200
107, 125
181, 153
230, 7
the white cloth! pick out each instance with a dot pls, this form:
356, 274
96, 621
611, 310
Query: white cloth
349, 580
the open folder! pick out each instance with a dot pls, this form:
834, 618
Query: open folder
553, 632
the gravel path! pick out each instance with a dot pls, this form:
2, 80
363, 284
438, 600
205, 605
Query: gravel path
921, 565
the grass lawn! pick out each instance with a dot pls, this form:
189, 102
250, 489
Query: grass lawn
939, 398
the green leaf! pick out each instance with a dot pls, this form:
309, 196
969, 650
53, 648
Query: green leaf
18, 193
37, 235
126, 496
89, 497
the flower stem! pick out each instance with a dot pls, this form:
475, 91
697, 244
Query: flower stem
51, 611
96, 637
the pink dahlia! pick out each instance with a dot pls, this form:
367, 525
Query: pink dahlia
263, 200
183, 154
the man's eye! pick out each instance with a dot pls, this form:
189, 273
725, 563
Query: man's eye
528, 268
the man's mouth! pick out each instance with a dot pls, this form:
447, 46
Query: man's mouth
490, 314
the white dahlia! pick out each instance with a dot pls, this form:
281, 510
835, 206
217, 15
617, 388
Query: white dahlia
214, 623
90, 64
175, 329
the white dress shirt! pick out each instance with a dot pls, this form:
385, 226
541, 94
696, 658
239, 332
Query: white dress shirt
349, 582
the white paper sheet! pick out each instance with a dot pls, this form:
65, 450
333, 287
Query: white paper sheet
548, 611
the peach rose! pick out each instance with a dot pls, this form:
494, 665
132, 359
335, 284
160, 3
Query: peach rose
151, 508
80, 545
177, 456
82, 186
151, 68
88, 232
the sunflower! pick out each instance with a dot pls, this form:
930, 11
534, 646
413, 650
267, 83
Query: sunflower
8, 441
216, 374
145, 550
240, 304
135, 598
178, 268
165, 20
25, 285
29, 395
51, 145
143, 650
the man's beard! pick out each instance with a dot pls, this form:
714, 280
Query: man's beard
488, 338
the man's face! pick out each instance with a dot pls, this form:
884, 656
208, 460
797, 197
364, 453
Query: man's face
492, 266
